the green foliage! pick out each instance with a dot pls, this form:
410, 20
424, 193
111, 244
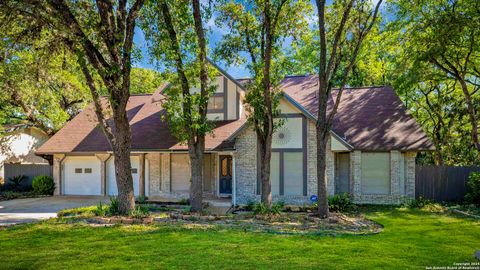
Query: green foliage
473, 185
406, 242
429, 36
11, 195
340, 203
245, 44
182, 105
263, 209
145, 81
79, 211
142, 199
250, 205
101, 209
183, 201
419, 202
113, 208
43, 185
16, 182
139, 212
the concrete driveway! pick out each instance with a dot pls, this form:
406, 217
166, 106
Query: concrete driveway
35, 209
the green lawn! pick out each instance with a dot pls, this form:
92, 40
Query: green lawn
411, 239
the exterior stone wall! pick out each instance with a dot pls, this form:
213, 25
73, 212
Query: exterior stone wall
401, 190
154, 173
246, 169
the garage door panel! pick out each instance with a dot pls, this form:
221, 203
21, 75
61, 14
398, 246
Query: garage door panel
112, 181
82, 176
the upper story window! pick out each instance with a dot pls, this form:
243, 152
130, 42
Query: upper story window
215, 103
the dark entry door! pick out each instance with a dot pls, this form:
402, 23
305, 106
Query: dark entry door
225, 175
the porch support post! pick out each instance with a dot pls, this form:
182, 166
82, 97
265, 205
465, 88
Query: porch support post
141, 177
57, 173
103, 172
234, 182
356, 175
395, 172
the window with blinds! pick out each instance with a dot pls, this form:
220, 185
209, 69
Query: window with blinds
375, 173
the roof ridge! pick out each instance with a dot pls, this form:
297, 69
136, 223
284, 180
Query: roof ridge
363, 87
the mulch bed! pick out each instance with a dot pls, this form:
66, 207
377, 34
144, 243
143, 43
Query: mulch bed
285, 223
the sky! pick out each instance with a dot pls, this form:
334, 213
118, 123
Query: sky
215, 35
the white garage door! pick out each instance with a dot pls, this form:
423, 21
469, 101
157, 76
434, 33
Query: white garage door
82, 176
112, 182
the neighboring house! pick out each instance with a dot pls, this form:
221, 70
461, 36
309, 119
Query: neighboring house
371, 152
17, 152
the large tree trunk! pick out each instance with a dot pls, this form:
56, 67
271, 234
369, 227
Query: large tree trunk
266, 141
471, 113
121, 153
196, 168
197, 150
265, 149
322, 132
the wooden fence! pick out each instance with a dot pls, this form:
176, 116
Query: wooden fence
29, 170
442, 183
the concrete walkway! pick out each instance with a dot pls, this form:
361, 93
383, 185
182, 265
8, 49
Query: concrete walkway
35, 209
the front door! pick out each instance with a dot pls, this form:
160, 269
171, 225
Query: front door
225, 175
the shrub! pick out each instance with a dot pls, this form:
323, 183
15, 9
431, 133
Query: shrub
101, 210
473, 189
262, 209
43, 185
113, 209
419, 202
15, 183
250, 205
142, 199
139, 212
184, 201
340, 202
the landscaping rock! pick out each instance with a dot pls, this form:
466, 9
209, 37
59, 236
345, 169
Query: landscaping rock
147, 220
127, 221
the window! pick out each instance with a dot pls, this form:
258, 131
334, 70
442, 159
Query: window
88, 170
375, 173
134, 170
286, 173
215, 103
293, 173
78, 170
275, 173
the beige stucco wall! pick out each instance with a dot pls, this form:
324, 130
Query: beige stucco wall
20, 146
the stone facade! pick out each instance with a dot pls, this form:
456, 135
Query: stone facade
246, 166
402, 174
246, 169
402, 184
153, 174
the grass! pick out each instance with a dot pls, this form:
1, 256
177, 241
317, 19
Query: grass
411, 238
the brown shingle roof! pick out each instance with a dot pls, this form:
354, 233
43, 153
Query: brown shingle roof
149, 132
368, 118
